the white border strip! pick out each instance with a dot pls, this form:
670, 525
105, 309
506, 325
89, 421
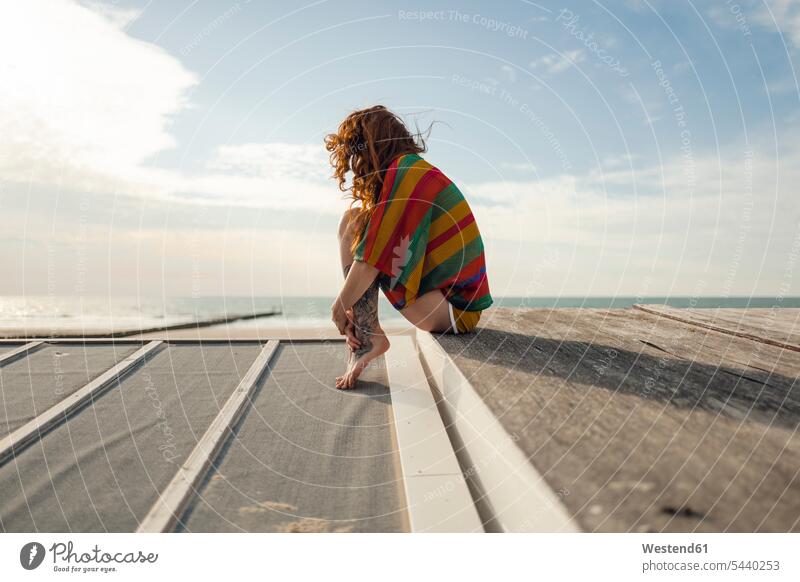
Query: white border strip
18, 352
519, 497
164, 514
35, 429
437, 496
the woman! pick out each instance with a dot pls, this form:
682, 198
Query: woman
409, 231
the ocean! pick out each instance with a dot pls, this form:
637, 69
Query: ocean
86, 313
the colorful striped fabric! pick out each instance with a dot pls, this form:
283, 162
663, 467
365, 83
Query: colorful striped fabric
422, 236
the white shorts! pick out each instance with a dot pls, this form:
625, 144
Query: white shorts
453, 326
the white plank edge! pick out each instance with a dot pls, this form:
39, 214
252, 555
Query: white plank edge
174, 499
56, 414
437, 495
19, 352
519, 497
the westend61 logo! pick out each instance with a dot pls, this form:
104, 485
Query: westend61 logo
66, 559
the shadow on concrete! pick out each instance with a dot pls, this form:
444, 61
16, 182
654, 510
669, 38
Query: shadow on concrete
758, 394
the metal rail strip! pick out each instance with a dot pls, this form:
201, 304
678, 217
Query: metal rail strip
178, 340
437, 496
55, 415
19, 352
165, 513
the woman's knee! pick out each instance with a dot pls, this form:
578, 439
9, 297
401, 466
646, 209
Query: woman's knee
429, 326
429, 313
432, 326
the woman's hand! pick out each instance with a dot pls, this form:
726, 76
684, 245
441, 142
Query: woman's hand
339, 316
350, 332
359, 279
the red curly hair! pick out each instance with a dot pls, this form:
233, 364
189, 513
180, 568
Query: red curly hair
366, 143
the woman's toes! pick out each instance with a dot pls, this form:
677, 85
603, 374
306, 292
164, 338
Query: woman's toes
344, 382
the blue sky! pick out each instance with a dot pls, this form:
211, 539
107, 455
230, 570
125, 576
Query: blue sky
627, 148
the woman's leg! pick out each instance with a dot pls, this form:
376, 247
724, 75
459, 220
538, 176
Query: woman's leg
430, 312
371, 341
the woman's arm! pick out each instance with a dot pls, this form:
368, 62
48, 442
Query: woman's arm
359, 279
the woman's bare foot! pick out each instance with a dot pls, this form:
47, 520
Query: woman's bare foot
359, 361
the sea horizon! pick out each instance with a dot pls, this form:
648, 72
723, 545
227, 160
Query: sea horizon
63, 312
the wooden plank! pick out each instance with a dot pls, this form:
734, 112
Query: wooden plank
777, 327
437, 497
172, 502
778, 323
642, 423
513, 492
19, 352
58, 413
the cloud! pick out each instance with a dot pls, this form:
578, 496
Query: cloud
771, 15
264, 175
91, 115
707, 192
81, 100
558, 63
622, 160
524, 167
274, 160
105, 258
783, 15
509, 73
638, 5
729, 221
646, 109
116, 15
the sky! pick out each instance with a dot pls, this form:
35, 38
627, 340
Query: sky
634, 148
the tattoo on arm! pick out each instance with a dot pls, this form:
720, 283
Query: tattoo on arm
365, 316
